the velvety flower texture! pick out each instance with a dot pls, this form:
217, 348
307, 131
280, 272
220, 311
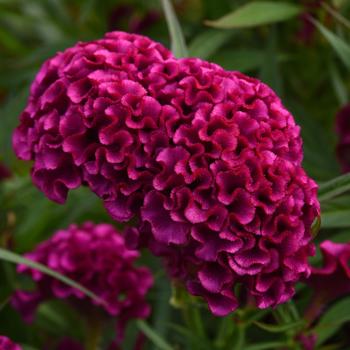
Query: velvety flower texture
96, 257
7, 344
208, 161
343, 131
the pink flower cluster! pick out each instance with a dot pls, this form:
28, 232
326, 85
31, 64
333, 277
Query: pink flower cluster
208, 161
343, 131
96, 257
332, 280
7, 344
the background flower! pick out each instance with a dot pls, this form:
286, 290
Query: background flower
332, 280
96, 257
343, 131
7, 344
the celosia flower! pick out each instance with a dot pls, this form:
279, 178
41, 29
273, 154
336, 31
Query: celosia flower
68, 344
208, 161
96, 257
136, 22
343, 131
7, 344
307, 341
4, 172
307, 28
332, 280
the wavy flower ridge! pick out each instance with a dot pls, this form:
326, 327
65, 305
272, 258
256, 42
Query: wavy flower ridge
96, 257
208, 161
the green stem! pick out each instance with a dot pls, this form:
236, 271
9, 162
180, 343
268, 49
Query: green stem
225, 331
240, 340
93, 334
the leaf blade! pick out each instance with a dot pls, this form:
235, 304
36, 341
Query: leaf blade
153, 336
274, 328
8, 256
335, 219
341, 48
334, 187
208, 42
255, 14
178, 45
332, 320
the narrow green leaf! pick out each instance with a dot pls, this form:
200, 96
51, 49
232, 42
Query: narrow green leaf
255, 14
341, 48
208, 42
266, 346
332, 320
334, 187
338, 85
178, 45
190, 338
278, 328
17, 259
270, 72
153, 335
335, 219
161, 308
242, 60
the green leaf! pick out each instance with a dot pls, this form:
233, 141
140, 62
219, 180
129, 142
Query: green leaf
208, 42
334, 187
266, 346
17, 259
278, 328
152, 335
335, 219
242, 60
270, 73
161, 308
178, 45
255, 14
332, 320
190, 338
339, 87
341, 48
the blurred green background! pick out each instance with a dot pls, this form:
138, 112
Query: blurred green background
307, 65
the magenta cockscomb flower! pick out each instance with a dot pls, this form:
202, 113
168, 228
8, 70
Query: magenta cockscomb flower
208, 161
307, 28
332, 280
5, 173
343, 131
7, 344
96, 257
307, 341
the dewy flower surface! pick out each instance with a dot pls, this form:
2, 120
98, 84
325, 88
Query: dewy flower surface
7, 344
208, 161
96, 257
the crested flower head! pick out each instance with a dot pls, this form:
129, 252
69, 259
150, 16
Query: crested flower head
7, 344
207, 161
96, 257
343, 131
